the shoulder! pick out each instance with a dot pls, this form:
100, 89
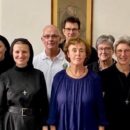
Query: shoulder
61, 59
37, 71
62, 44
93, 65
38, 59
93, 56
38, 56
7, 74
109, 73
93, 49
94, 52
9, 71
93, 75
61, 53
60, 74
109, 70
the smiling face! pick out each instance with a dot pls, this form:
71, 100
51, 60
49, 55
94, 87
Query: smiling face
50, 37
105, 51
77, 54
21, 54
2, 50
122, 53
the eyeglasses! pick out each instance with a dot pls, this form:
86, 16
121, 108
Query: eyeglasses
120, 51
71, 29
106, 49
50, 36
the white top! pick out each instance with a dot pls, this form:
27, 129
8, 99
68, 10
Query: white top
50, 67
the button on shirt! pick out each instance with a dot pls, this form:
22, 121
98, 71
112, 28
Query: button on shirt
50, 67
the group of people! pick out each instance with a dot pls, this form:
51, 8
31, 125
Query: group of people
69, 86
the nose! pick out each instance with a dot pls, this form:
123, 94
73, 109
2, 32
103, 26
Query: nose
50, 38
123, 53
20, 54
71, 32
103, 51
78, 52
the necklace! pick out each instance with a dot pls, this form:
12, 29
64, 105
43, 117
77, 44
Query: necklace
79, 75
127, 101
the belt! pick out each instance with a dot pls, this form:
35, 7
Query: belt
21, 111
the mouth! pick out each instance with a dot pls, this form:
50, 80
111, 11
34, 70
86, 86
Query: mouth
78, 59
20, 59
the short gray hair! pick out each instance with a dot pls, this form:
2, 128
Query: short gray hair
123, 39
105, 38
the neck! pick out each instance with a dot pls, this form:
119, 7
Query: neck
52, 53
77, 71
105, 64
123, 68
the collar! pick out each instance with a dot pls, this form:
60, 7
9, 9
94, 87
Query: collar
60, 55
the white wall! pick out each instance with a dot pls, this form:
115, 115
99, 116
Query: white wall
25, 18
111, 17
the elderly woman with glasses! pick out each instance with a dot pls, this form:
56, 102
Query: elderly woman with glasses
104, 46
116, 85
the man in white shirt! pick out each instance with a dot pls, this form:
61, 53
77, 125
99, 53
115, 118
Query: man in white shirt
52, 59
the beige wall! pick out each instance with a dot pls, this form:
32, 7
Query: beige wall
111, 17
26, 18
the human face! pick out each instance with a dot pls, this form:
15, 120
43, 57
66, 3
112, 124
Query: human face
51, 38
77, 54
71, 30
105, 51
2, 50
21, 54
122, 53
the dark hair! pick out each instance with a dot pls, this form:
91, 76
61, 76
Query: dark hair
7, 45
23, 41
74, 41
71, 19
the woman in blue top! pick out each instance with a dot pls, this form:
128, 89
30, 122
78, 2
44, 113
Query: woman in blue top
76, 99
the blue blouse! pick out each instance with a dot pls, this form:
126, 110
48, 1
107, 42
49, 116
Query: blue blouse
76, 104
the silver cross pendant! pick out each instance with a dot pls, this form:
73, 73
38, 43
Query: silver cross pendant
127, 101
24, 93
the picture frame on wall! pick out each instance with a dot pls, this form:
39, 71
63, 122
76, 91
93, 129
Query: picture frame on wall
79, 8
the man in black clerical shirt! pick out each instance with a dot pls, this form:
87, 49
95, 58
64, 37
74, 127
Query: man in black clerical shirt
71, 28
